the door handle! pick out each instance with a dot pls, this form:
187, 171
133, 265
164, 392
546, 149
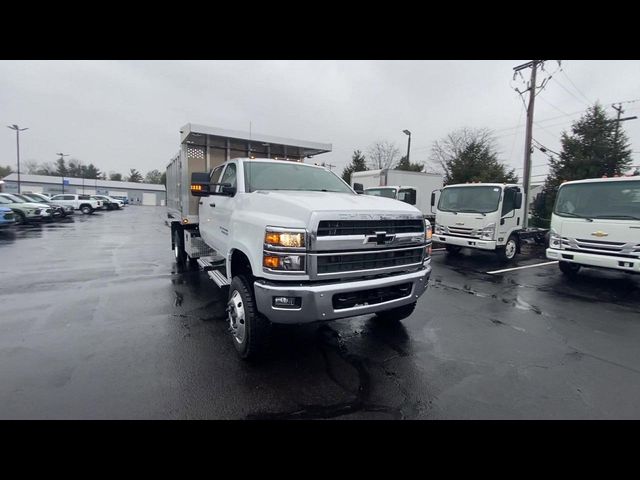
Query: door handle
212, 204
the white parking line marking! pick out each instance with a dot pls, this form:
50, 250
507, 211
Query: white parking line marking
520, 268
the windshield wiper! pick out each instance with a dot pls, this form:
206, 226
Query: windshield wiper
474, 211
569, 214
617, 216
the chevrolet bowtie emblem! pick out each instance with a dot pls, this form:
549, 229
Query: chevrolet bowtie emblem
600, 233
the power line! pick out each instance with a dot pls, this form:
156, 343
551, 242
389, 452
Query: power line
576, 88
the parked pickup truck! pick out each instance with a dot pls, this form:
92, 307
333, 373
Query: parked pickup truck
84, 203
295, 244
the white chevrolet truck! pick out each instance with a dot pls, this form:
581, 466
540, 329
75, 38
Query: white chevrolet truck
596, 223
293, 243
483, 216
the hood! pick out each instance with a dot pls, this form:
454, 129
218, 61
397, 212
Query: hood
462, 220
5, 210
295, 209
600, 230
31, 205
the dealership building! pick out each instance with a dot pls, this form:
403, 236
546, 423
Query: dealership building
137, 193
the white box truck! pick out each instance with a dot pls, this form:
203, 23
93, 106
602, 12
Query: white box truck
596, 223
413, 188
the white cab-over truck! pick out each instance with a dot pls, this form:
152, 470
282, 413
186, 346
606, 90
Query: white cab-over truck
484, 216
295, 244
596, 223
414, 188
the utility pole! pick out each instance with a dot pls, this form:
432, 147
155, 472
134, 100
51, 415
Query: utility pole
526, 181
18, 130
408, 133
62, 155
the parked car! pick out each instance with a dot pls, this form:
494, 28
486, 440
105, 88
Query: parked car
122, 198
7, 217
43, 198
108, 202
84, 203
25, 211
56, 210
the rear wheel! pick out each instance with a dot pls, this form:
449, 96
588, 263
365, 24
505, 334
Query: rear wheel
178, 249
250, 330
396, 314
453, 249
569, 269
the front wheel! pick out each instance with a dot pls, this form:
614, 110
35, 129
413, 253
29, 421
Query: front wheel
569, 269
396, 314
21, 218
250, 330
86, 209
508, 252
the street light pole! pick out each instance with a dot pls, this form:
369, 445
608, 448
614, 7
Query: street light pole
18, 130
408, 133
62, 155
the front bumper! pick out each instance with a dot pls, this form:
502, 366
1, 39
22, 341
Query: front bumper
317, 299
595, 260
465, 242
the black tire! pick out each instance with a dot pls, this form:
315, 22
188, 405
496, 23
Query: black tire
569, 269
509, 251
453, 249
86, 209
178, 249
396, 314
21, 218
255, 338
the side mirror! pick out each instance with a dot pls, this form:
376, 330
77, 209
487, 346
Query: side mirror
358, 188
227, 189
411, 197
518, 200
200, 184
433, 198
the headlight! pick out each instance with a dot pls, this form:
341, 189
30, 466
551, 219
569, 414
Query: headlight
440, 230
428, 232
488, 232
555, 241
284, 238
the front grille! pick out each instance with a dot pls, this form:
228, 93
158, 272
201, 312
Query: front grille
601, 247
355, 262
368, 227
462, 232
371, 296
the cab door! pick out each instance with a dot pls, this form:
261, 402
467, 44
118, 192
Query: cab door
205, 209
220, 208
511, 218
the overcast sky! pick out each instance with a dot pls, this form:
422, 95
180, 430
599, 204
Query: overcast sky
127, 114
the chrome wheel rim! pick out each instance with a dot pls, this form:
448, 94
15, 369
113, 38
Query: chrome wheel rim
237, 320
510, 249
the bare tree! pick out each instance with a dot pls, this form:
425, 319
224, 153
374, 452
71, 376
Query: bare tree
30, 166
383, 155
455, 143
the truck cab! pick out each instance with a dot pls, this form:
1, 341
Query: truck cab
402, 193
484, 216
596, 223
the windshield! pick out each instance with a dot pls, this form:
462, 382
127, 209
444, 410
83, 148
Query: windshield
599, 200
13, 198
35, 198
381, 192
23, 197
5, 201
483, 199
290, 176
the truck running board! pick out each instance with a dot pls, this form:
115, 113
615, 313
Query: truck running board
218, 278
209, 263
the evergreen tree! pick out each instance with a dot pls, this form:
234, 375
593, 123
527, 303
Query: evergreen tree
406, 165
4, 171
358, 164
61, 168
116, 177
90, 171
597, 146
134, 176
468, 155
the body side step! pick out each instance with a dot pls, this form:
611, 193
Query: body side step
219, 278
209, 263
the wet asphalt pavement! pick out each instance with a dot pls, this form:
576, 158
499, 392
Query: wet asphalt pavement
96, 323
